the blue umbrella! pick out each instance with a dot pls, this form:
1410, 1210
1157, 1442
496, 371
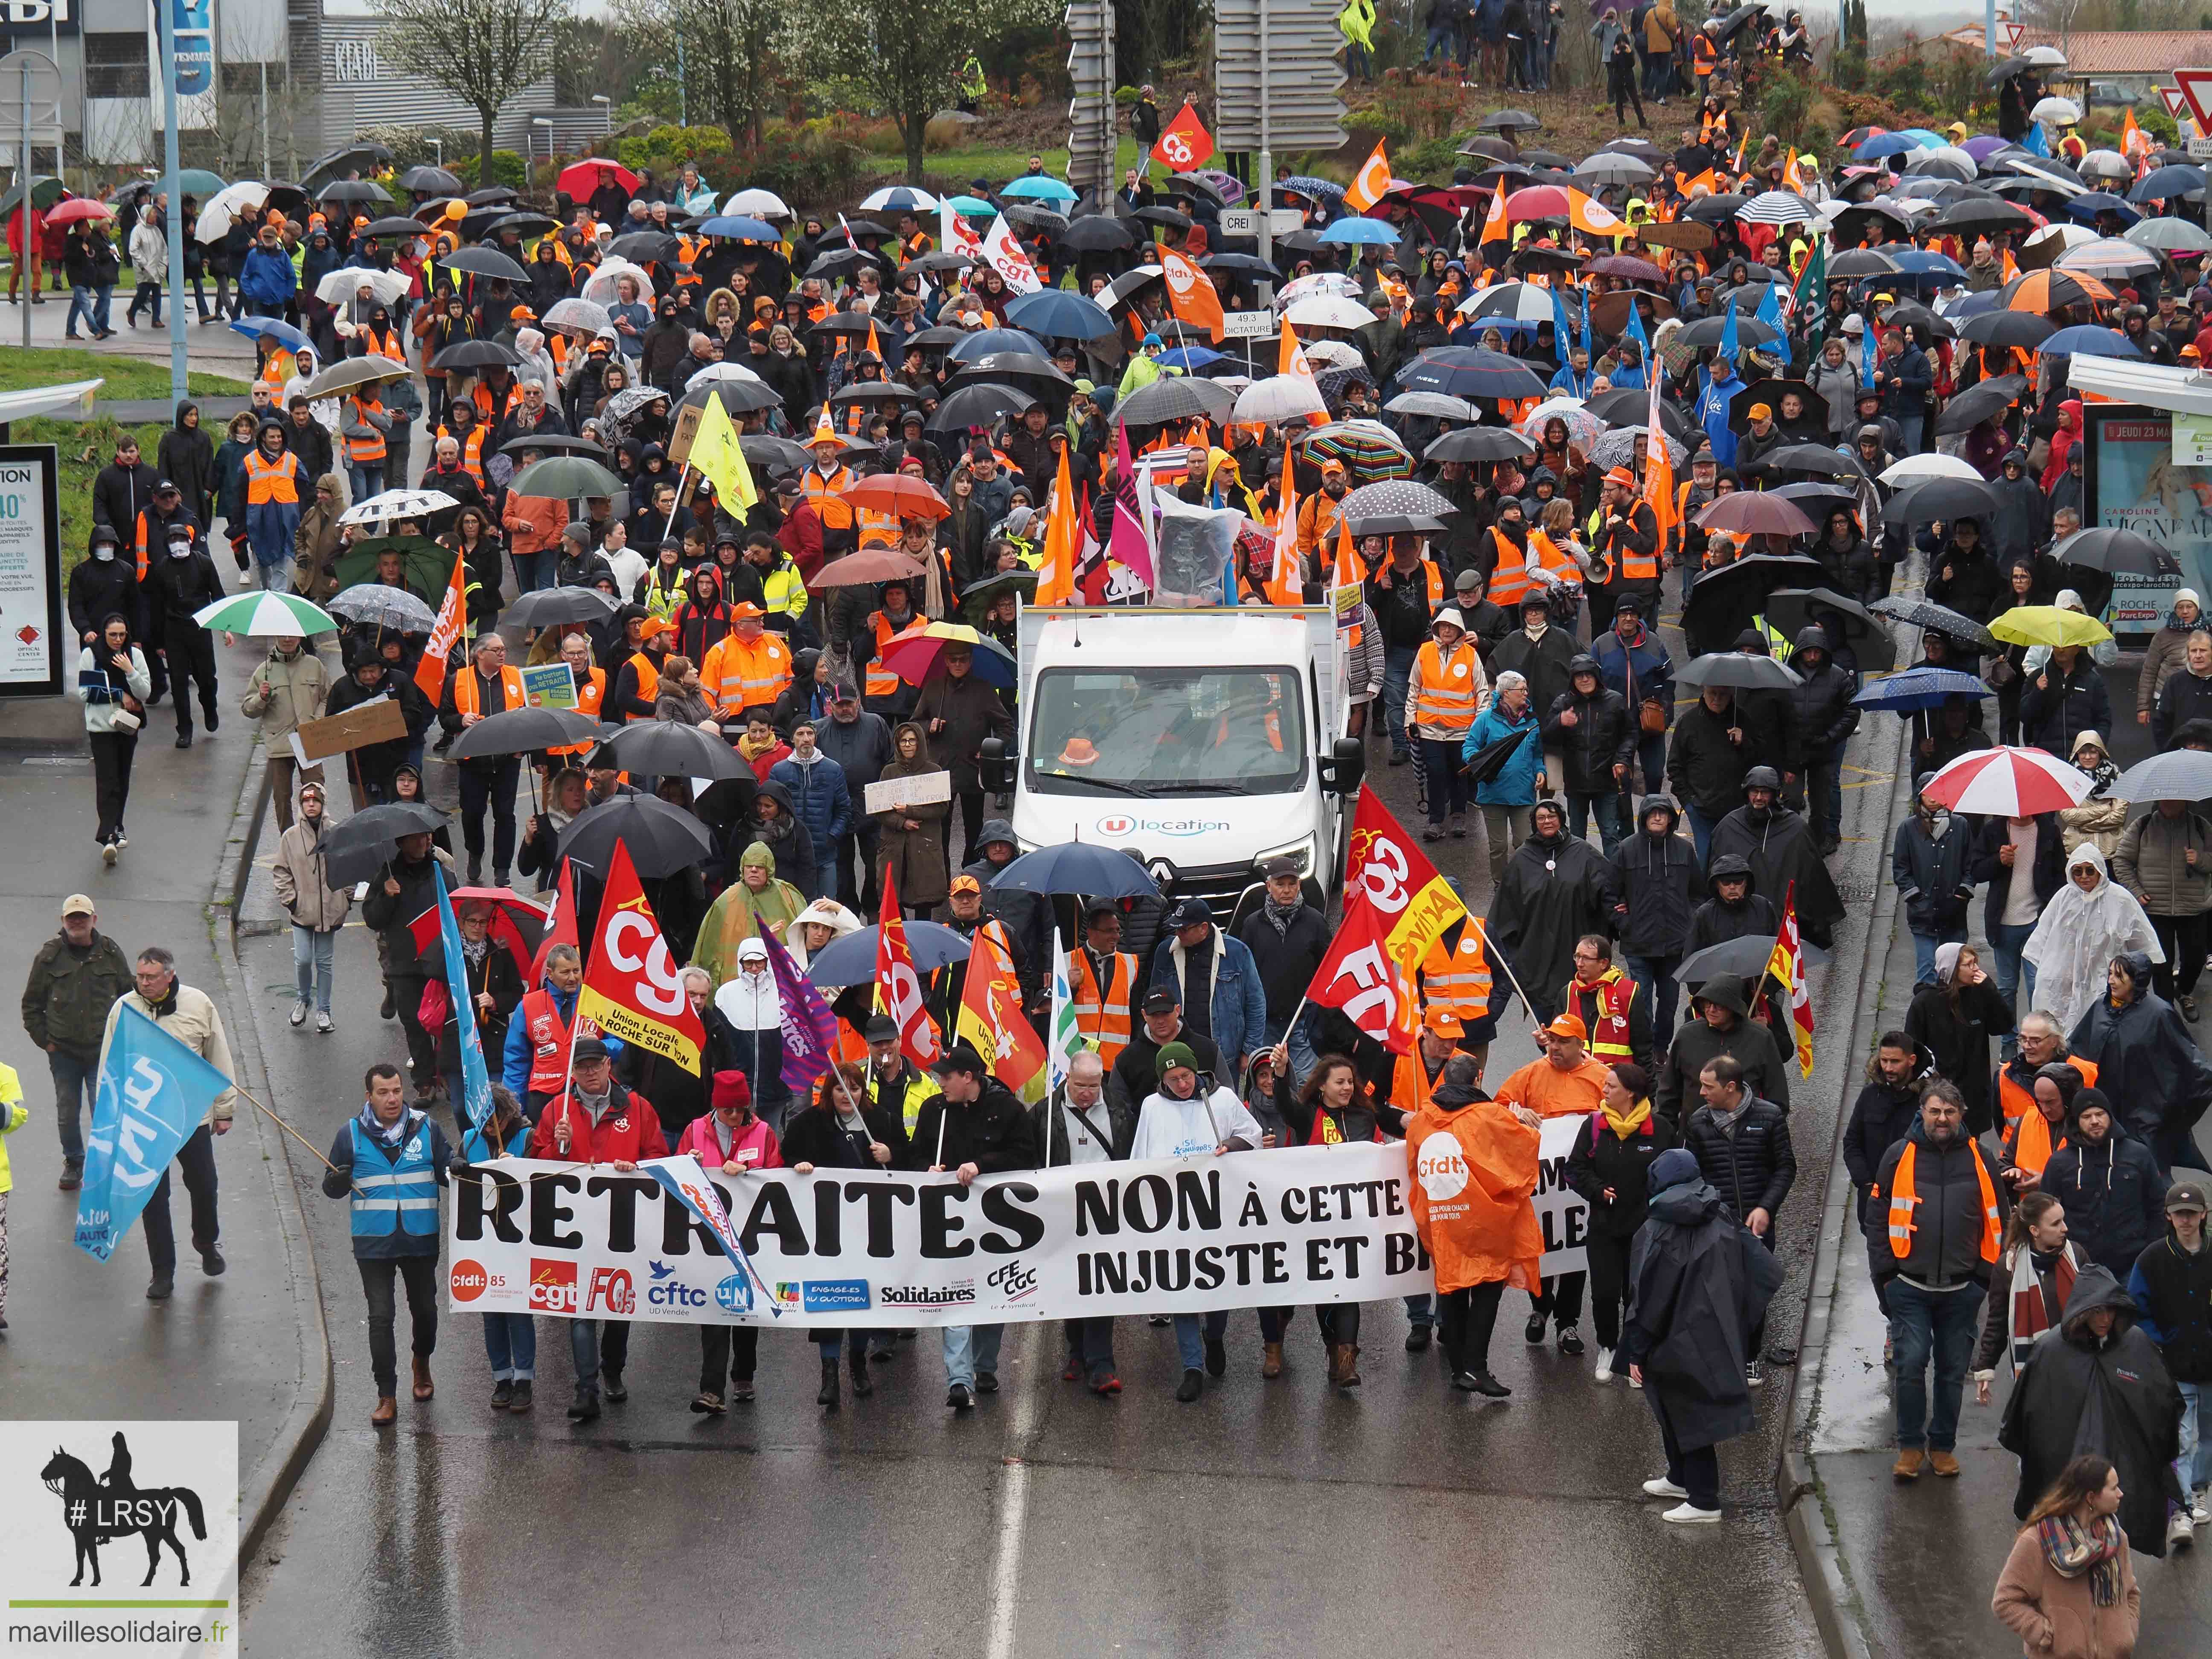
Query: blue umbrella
1926, 139
852, 960
283, 333
1917, 690
2085, 341
1366, 232
1922, 262
985, 341
738, 227
1078, 866
1190, 359
1883, 145
1038, 188
2086, 208
1304, 183
1060, 314
1990, 298
2167, 183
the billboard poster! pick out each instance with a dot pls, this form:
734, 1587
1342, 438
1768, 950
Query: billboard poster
32, 641
2133, 482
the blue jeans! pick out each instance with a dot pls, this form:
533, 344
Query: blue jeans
1397, 674
77, 1083
2194, 1466
597, 1345
1651, 761
1607, 805
1421, 1310
312, 956
1909, 427
1190, 1346
1447, 783
1701, 834
534, 570
969, 1349
1656, 976
511, 1345
79, 305
1925, 1324
1924, 952
2015, 972
366, 480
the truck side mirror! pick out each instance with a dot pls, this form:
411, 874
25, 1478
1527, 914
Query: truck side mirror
1341, 772
996, 767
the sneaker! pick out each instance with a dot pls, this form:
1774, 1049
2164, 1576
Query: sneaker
741, 1391
1072, 1372
1754, 1375
1571, 1340
986, 1381
1188, 1390
503, 1393
122, 840
1107, 1384
959, 1398
615, 1391
708, 1403
1417, 1340
2196, 1510
1434, 832
1604, 1371
1159, 1322
1689, 1515
1662, 1487
107, 854
1217, 1356
1481, 1382
1532, 1332
72, 1177
2180, 1531
323, 1024
299, 1014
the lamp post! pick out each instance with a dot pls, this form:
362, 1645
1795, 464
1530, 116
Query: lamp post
608, 104
545, 121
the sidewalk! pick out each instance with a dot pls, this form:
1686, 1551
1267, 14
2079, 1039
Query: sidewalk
82, 1340
213, 347
1917, 1562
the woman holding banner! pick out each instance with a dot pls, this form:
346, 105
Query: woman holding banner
730, 1140
842, 1130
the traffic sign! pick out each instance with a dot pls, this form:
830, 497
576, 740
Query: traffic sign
2176, 105
2014, 34
2195, 85
1245, 221
2200, 149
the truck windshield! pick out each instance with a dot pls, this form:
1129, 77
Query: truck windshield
1145, 730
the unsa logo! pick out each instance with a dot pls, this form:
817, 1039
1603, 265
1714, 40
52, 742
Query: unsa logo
1441, 1169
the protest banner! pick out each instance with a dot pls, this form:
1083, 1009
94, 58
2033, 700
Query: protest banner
1305, 1224
894, 794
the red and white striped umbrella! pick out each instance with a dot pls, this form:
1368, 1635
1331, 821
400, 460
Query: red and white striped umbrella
2013, 783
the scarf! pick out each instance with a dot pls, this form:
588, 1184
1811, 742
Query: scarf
1627, 1124
752, 751
2105, 775
388, 1137
2071, 1549
1282, 915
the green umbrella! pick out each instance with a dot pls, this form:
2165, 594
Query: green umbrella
980, 596
425, 568
44, 192
562, 477
266, 616
199, 183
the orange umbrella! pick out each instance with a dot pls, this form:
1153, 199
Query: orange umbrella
2046, 290
904, 497
868, 565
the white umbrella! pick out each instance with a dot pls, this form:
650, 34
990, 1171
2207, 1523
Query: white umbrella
714, 372
341, 285
1777, 207
1918, 468
1437, 405
2068, 237
905, 198
758, 205
2108, 256
222, 210
2105, 164
1319, 282
1327, 311
2045, 56
2046, 176
266, 616
2008, 782
601, 289
585, 316
1333, 354
1277, 399
1523, 301
1563, 407
2059, 112
398, 504
2169, 236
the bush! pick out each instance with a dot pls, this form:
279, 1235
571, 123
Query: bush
1122, 96
506, 168
799, 164
1785, 107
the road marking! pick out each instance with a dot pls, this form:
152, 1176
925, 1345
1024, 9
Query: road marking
1014, 1494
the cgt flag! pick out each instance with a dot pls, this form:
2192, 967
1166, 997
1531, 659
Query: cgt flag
898, 987
685, 1179
1184, 143
1360, 976
990, 1018
1414, 905
1786, 965
152, 1093
632, 989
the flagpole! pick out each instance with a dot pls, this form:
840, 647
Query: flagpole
681, 478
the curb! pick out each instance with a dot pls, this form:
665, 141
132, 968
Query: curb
1835, 1602
269, 1483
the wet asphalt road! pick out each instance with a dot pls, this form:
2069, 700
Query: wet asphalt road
1268, 1513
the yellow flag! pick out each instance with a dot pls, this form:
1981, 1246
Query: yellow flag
717, 454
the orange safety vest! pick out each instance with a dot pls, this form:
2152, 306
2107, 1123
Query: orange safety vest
1904, 1200
648, 681
747, 673
548, 1042
1608, 1033
1639, 566
1101, 1018
1445, 694
370, 448
1410, 1087
828, 495
386, 345
466, 699
2018, 1104
2028, 1146
589, 694
1509, 579
1458, 980
471, 449
881, 682
272, 481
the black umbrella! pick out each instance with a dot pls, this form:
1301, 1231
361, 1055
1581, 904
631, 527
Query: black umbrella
491, 194
1491, 761
1815, 458
839, 260
484, 262
1933, 619
359, 848
777, 454
1630, 407
477, 353
1096, 233
1770, 391
981, 405
1860, 262
738, 397
1745, 669
1944, 499
429, 181
527, 221
1844, 619
1976, 404
1481, 443
662, 838
1715, 209
393, 225
2008, 328
644, 247
2004, 71
1175, 397
1024, 368
1969, 218
664, 749
353, 190
552, 443
525, 731
1509, 121
1931, 326
551, 605
1469, 372
855, 394
1738, 958
1709, 331
2116, 552
728, 800
1725, 599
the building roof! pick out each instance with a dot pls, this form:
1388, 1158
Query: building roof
2094, 53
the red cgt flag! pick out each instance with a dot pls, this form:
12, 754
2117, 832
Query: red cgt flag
1184, 143
633, 989
1359, 976
561, 930
900, 987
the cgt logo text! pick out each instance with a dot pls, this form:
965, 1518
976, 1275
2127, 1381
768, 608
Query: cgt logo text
1122, 823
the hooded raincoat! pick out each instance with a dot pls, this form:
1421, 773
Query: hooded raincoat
2148, 1066
740, 913
2078, 935
1474, 1168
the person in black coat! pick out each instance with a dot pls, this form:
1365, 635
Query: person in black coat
104, 584
2113, 1189
1737, 909
1825, 720
1610, 1166
1712, 749
186, 458
1539, 650
1287, 937
1742, 1147
369, 768
2065, 699
1961, 574
122, 489
1780, 847
1655, 896
1589, 727
1954, 1019
181, 579
1719, 1024
1888, 1105
1556, 890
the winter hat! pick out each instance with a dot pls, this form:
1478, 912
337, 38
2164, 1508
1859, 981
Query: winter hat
1671, 1169
1173, 1054
732, 1090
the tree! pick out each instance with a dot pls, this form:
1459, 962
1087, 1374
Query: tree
483, 51
726, 47
907, 56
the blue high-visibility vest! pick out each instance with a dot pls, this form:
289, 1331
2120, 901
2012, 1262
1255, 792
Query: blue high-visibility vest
406, 1198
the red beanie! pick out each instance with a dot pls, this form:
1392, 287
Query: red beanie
731, 1089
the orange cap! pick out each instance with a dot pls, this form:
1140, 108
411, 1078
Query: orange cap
746, 608
1568, 1025
1441, 1021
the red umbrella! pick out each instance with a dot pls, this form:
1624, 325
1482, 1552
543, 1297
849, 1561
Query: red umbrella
1756, 513
905, 498
516, 923
579, 179
2012, 783
1536, 202
870, 564
77, 209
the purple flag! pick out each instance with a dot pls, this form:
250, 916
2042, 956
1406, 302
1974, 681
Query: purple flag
1130, 542
810, 1025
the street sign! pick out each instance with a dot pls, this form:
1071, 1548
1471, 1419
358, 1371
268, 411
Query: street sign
1286, 59
2176, 105
1093, 122
2195, 85
1247, 325
2200, 148
1245, 221
2014, 34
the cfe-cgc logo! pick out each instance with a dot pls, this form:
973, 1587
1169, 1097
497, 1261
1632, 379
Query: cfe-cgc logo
119, 1537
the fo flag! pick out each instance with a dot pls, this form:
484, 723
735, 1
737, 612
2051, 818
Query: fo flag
632, 989
1361, 977
444, 634
685, 1179
154, 1093
1184, 143
1412, 902
899, 987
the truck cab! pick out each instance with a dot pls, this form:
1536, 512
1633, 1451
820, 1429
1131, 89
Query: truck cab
1204, 742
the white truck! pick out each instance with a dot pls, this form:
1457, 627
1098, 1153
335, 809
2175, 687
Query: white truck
1204, 741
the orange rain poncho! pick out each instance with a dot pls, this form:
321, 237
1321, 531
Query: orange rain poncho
1474, 1170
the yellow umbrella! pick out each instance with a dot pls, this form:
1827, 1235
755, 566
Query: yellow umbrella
2048, 624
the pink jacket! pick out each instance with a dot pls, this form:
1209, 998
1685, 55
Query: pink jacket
753, 1146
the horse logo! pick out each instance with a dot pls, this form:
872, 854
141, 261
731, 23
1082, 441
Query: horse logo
98, 1509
